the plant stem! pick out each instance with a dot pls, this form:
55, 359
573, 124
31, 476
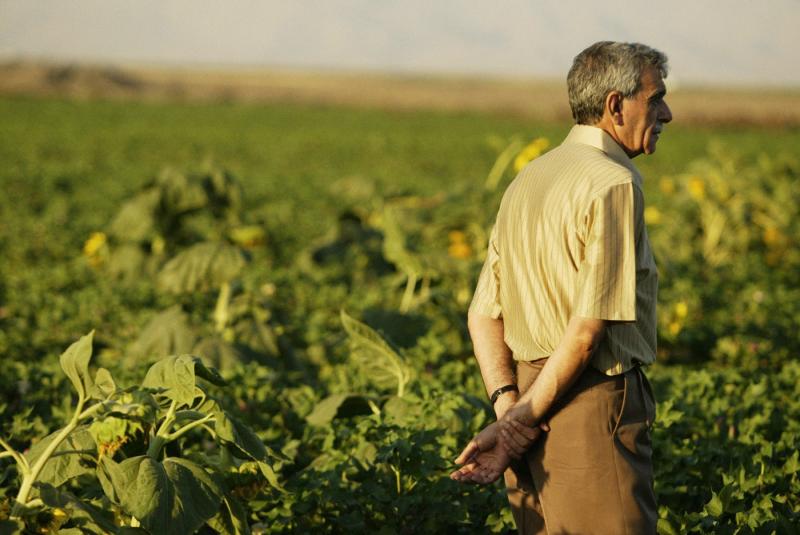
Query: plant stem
33, 474
188, 427
162, 435
94, 409
221, 310
425, 291
397, 479
408, 295
24, 468
501, 164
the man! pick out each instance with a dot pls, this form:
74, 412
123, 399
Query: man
567, 295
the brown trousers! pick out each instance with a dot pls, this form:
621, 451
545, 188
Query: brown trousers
592, 473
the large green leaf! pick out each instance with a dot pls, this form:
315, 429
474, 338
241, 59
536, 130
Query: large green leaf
209, 373
233, 432
75, 363
374, 356
176, 375
231, 519
135, 221
201, 267
127, 262
176, 496
219, 353
325, 411
168, 333
257, 335
338, 405
179, 193
72, 458
104, 386
90, 518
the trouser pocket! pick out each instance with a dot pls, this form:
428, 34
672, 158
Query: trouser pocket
635, 415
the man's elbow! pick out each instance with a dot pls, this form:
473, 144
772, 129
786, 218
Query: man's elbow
588, 334
474, 320
479, 323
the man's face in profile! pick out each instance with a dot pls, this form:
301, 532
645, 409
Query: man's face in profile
644, 115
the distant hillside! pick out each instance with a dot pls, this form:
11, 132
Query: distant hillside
541, 99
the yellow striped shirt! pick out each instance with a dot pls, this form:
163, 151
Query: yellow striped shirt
570, 240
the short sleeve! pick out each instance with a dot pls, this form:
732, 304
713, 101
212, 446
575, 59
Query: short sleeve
607, 274
486, 300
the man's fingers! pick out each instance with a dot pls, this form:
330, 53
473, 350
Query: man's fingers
544, 426
465, 472
471, 450
513, 445
530, 433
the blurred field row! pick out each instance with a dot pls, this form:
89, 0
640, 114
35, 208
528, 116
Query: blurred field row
322, 258
537, 99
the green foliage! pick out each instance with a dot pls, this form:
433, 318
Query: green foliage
730, 260
147, 488
726, 448
326, 423
167, 333
75, 363
71, 458
174, 495
200, 267
382, 364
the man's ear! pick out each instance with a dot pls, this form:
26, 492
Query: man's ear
614, 107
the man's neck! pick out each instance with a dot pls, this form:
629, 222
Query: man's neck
606, 124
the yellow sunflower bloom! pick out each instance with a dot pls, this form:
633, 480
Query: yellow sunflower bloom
530, 152
94, 243
696, 187
652, 215
667, 186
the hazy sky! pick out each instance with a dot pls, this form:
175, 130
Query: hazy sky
718, 41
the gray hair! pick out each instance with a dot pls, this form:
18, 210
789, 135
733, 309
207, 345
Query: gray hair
604, 67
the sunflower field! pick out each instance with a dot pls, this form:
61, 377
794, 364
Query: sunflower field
238, 318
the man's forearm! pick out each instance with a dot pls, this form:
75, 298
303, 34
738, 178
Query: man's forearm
494, 358
560, 371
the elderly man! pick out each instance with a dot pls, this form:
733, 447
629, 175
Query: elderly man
567, 298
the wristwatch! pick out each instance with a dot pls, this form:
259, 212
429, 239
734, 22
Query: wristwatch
502, 390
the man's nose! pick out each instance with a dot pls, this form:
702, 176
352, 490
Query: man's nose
665, 114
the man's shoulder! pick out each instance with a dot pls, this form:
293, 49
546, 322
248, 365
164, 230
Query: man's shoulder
588, 166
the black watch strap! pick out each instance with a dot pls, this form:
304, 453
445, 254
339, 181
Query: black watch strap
502, 390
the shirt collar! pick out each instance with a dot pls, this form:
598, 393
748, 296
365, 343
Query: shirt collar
599, 139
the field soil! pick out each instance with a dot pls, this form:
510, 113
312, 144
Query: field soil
537, 99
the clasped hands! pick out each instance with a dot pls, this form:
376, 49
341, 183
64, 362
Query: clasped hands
488, 455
